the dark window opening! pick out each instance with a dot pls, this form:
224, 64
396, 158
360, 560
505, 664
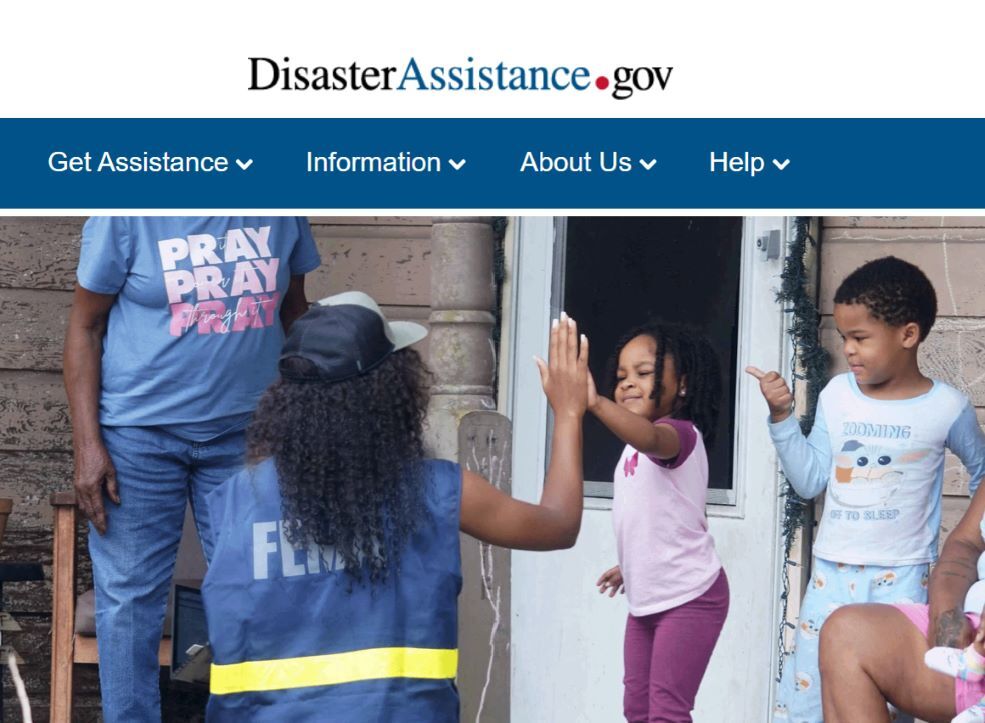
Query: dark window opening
620, 272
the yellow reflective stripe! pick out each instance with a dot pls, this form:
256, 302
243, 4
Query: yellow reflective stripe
257, 675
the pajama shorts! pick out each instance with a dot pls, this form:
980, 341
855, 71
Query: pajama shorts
832, 585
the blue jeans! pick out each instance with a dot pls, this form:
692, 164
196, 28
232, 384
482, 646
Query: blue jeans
133, 562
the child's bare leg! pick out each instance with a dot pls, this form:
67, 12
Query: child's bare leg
871, 654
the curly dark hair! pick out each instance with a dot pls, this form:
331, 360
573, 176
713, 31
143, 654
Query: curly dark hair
348, 455
894, 291
694, 358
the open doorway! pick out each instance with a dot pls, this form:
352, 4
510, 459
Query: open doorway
566, 639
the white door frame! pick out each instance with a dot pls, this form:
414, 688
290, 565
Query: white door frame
566, 640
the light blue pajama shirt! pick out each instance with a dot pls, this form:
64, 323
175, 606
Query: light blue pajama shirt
880, 464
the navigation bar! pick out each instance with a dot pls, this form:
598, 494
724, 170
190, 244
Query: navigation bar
492, 164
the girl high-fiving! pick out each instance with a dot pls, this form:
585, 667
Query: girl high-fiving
665, 394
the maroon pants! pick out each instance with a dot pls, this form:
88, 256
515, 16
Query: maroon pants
666, 655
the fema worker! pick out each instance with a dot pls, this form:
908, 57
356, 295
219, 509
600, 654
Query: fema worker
332, 592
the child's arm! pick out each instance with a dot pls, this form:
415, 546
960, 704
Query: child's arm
806, 461
956, 571
656, 440
494, 517
966, 440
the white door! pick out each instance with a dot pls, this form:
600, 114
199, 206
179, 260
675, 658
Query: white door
566, 638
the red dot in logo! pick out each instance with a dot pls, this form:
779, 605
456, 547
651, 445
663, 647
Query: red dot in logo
601, 82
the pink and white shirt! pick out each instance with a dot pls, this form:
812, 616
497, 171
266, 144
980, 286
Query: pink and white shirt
666, 554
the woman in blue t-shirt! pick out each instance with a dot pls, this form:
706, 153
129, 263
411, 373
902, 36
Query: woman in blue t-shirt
174, 333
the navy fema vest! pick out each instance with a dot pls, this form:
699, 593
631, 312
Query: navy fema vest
294, 640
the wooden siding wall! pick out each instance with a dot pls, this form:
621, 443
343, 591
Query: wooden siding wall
951, 251
386, 256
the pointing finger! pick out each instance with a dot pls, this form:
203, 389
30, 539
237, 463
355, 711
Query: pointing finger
756, 372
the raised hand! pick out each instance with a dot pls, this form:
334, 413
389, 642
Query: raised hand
775, 391
564, 375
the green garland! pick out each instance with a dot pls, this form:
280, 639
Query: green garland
809, 364
499, 224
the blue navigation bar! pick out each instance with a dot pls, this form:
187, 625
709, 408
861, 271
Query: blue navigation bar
492, 163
